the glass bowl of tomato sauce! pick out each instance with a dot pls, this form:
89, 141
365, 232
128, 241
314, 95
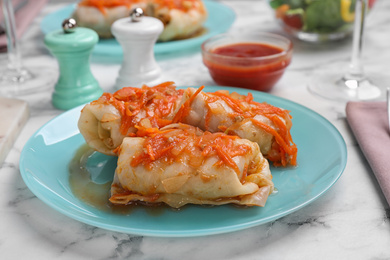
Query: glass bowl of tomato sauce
316, 20
255, 61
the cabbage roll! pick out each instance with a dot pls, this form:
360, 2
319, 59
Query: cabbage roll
182, 19
180, 164
240, 115
105, 122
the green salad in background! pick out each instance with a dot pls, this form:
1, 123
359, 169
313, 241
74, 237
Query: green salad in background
316, 16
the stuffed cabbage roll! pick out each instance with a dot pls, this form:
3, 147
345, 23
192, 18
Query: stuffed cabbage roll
105, 122
180, 164
100, 15
181, 18
236, 114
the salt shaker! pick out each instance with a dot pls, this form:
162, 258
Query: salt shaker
137, 36
72, 47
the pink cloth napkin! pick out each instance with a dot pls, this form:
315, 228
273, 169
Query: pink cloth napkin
28, 10
369, 123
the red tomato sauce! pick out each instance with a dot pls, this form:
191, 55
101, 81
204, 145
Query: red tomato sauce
247, 50
259, 74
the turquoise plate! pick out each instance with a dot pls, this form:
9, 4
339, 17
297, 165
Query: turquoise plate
220, 19
322, 157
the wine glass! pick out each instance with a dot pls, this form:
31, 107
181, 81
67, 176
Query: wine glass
354, 85
15, 79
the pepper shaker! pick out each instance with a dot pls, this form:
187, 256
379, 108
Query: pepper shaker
137, 36
72, 47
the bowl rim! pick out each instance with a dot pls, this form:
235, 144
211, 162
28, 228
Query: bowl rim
285, 51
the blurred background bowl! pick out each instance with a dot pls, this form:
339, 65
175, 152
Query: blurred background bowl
316, 20
255, 61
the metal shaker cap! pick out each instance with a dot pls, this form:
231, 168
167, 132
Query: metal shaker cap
136, 14
69, 25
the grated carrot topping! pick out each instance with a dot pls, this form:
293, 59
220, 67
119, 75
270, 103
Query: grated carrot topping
186, 107
224, 156
233, 103
159, 145
155, 103
103, 4
245, 107
150, 152
165, 84
285, 147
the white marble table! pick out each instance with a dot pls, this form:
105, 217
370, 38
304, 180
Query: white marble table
350, 221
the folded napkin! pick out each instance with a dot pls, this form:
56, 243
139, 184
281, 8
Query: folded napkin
369, 123
25, 12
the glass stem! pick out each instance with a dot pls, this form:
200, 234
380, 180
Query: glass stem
14, 56
356, 71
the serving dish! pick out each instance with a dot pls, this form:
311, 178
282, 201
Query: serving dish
322, 156
247, 60
316, 21
220, 19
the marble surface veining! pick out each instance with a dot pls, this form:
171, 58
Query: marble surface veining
13, 117
350, 221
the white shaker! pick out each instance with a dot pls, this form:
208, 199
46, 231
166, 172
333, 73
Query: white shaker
137, 35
